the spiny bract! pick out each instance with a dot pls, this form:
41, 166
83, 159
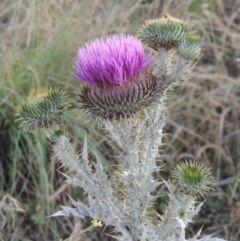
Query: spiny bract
142, 92
190, 47
192, 178
41, 108
165, 32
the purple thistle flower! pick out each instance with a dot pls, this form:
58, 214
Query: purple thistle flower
111, 60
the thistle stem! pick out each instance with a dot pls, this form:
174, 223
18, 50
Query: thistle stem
179, 71
165, 62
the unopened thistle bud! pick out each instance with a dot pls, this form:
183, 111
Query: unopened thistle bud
117, 84
41, 108
190, 47
192, 178
165, 32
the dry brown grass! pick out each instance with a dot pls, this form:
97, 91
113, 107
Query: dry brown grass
39, 40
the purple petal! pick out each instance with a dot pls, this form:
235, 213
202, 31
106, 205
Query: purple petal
111, 60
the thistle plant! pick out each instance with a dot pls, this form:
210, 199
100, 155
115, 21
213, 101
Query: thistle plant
123, 90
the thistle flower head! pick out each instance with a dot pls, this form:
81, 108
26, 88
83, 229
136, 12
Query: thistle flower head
190, 47
117, 83
165, 32
112, 60
41, 108
192, 178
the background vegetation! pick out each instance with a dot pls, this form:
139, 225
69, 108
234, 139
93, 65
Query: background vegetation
38, 44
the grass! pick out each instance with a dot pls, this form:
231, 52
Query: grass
38, 45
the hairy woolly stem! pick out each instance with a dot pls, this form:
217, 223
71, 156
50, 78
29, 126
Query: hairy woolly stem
164, 64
